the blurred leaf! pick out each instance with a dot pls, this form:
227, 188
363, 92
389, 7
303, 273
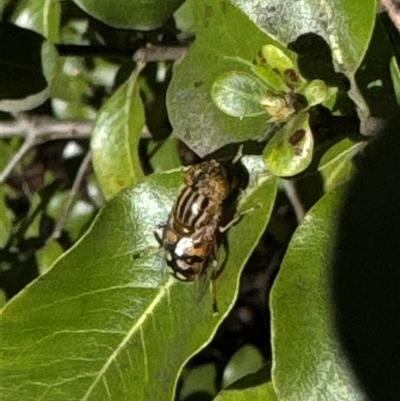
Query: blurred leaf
108, 321
246, 360
35, 214
103, 72
6, 219
166, 157
41, 16
3, 4
79, 216
395, 72
184, 20
130, 14
308, 361
22, 83
74, 32
57, 205
71, 84
255, 387
239, 94
47, 255
220, 47
6, 153
346, 25
51, 66
336, 166
199, 379
290, 150
75, 110
115, 139
3, 296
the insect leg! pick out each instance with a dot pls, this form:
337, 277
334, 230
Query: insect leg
238, 216
213, 286
158, 233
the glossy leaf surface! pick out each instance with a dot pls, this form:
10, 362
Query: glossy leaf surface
108, 321
337, 165
130, 14
290, 150
115, 139
239, 94
346, 25
308, 361
219, 48
41, 16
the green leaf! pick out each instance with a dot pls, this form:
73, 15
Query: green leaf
184, 20
3, 296
220, 47
115, 139
336, 166
47, 255
108, 321
130, 14
255, 387
79, 216
395, 73
277, 59
41, 16
246, 360
6, 219
239, 94
290, 150
35, 215
6, 153
22, 83
346, 25
166, 156
316, 92
331, 99
201, 379
273, 80
308, 361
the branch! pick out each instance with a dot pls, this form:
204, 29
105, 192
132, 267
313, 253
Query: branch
72, 196
28, 143
37, 130
150, 52
291, 192
46, 128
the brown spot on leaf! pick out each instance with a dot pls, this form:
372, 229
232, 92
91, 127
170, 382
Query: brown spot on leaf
297, 136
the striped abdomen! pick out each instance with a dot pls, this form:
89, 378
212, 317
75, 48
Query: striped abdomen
193, 210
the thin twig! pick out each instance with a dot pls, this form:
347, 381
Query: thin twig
72, 196
46, 128
37, 130
152, 53
28, 143
41, 129
291, 193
